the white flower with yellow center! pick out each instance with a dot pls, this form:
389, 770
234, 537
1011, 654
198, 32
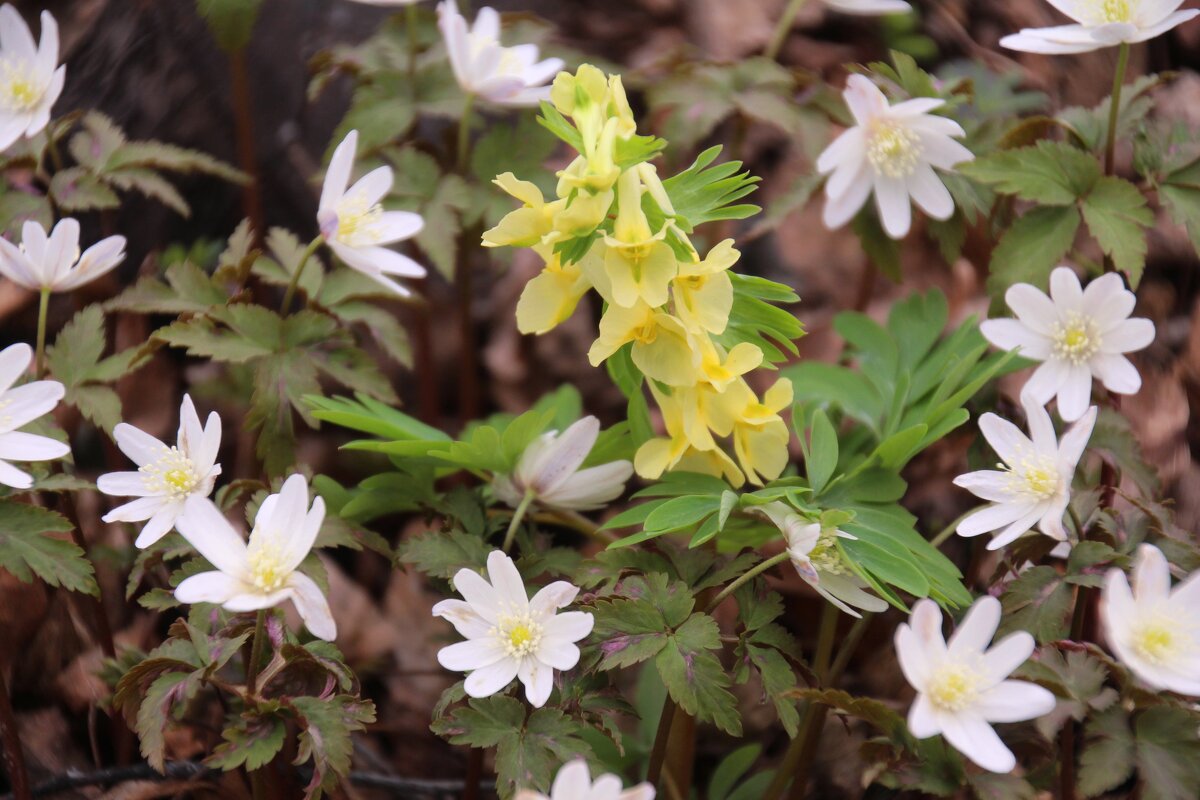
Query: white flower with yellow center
574, 782
508, 634
961, 686
893, 152
1032, 486
1154, 630
1077, 334
260, 573
30, 78
1099, 24
506, 76
166, 476
20, 406
813, 552
54, 263
549, 470
355, 226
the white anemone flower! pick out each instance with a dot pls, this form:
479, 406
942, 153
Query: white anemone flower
30, 78
20, 406
355, 226
814, 554
54, 263
508, 634
261, 573
869, 7
505, 76
166, 476
893, 152
961, 686
1032, 487
1099, 24
1077, 334
574, 782
549, 471
1154, 629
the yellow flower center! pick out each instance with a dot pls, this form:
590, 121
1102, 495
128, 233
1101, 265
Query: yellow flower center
18, 89
266, 560
358, 221
647, 332
1156, 643
893, 149
954, 686
826, 557
173, 474
1077, 340
1116, 11
519, 634
1033, 476
691, 283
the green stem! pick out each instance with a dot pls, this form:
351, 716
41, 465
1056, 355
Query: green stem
783, 28
515, 522
1114, 112
849, 645
256, 652
295, 281
464, 134
40, 354
746, 577
949, 530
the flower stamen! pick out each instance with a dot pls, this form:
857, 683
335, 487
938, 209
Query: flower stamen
519, 634
893, 149
172, 474
1076, 340
955, 686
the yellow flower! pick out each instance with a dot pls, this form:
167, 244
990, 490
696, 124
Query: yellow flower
526, 226
661, 349
677, 450
760, 436
640, 265
719, 368
703, 291
590, 99
551, 297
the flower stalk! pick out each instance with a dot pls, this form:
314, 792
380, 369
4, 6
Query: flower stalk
290, 292
39, 359
783, 28
519, 514
1114, 111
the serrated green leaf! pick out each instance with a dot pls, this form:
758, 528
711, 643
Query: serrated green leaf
443, 554
1049, 173
251, 742
28, 549
1117, 217
1032, 247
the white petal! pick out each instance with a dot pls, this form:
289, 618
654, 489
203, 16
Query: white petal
1014, 701
11, 476
1007, 654
930, 193
14, 360
479, 593
986, 484
372, 187
1065, 291
26, 403
141, 447
15, 37
538, 679
551, 597
993, 517
922, 722
914, 661
1176, 19
865, 100
1075, 393
895, 210
840, 210
465, 619
1004, 437
395, 226
1033, 307
136, 510
1016, 529
1127, 336
471, 654
208, 587
159, 525
1107, 300
510, 588
847, 150
1046, 381
337, 177
570, 626
1011, 334
590, 488
207, 530
1041, 428
977, 628
299, 540
1151, 576
1057, 40
561, 457
1074, 441
486, 681
573, 780
557, 653
976, 740
20, 446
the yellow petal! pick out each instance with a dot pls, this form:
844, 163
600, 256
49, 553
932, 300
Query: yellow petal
655, 457
583, 213
528, 193
549, 299
524, 227
713, 462
705, 301
779, 396
662, 351
762, 450
618, 326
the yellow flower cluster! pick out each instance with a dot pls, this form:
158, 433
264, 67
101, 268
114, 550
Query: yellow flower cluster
661, 297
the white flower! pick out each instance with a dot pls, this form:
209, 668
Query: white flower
961, 686
506, 76
166, 476
509, 635
815, 556
1101, 23
54, 262
869, 7
892, 151
1153, 630
1076, 334
260, 573
356, 227
1033, 485
549, 469
388, 2
30, 78
574, 782
19, 407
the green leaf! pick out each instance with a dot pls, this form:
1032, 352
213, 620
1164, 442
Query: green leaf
703, 193
822, 456
28, 549
154, 715
1039, 601
1032, 247
251, 742
442, 554
731, 770
188, 290
326, 739
1107, 760
1117, 216
1049, 173
204, 339
75, 189
695, 677
1168, 753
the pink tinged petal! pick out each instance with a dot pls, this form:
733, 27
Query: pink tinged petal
1186, 597
1033, 307
926, 622
463, 616
190, 433
1014, 701
1074, 442
1007, 654
930, 194
1114, 32
1004, 437
510, 588
916, 107
922, 721
542, 71
300, 539
526, 97
479, 593
14, 360
141, 447
205, 457
975, 739
1055, 40
934, 125
1051, 521
892, 202
591, 488
1045, 382
644, 791
337, 177
135, 510
1016, 529
1011, 334
312, 606
122, 484
487, 24
559, 654
848, 150
1065, 291
570, 626
98, 260
840, 210
914, 661
573, 780
865, 100
395, 226
30, 401
986, 484
1174, 20
561, 457
13, 477
1075, 393
1151, 576
209, 587
158, 525
471, 654
977, 628
35, 241
207, 530
13, 263
61, 249
486, 681
252, 599
846, 177
18, 446
1128, 336
993, 517
47, 52
538, 679
551, 597
1107, 300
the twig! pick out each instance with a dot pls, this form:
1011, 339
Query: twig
659, 752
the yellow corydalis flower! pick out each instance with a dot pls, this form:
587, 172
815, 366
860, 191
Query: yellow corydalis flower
528, 225
679, 448
720, 369
661, 349
639, 264
760, 436
703, 291
552, 296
